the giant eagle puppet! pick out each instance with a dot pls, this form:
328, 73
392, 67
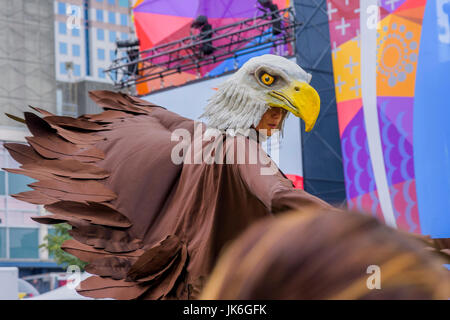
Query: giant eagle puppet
148, 227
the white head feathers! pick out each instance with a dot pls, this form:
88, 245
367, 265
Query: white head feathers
240, 102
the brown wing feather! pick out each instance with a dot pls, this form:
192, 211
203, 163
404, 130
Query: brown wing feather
90, 177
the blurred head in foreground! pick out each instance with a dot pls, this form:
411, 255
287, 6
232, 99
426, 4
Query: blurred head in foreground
325, 255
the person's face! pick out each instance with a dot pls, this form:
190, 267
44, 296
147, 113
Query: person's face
271, 120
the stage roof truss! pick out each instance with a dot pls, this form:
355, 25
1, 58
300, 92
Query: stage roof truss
132, 67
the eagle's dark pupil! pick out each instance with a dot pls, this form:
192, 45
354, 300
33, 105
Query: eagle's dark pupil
267, 79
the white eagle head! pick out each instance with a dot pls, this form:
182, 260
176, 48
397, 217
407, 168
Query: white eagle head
261, 83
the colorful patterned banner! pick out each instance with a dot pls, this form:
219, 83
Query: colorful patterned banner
397, 49
162, 21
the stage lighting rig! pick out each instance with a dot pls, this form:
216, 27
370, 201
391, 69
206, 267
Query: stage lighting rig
271, 8
131, 47
205, 28
210, 46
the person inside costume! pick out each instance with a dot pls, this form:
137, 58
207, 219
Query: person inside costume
150, 226
315, 254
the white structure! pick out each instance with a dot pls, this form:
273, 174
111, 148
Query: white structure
9, 288
66, 292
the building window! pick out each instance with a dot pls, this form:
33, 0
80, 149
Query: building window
99, 0
62, 28
75, 32
18, 183
101, 54
24, 243
112, 36
76, 50
100, 34
124, 36
99, 15
112, 54
12, 183
101, 73
2, 182
112, 2
62, 68
77, 70
2, 242
62, 48
61, 8
73, 10
123, 20
123, 3
112, 17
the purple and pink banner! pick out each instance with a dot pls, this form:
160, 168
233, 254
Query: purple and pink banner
161, 21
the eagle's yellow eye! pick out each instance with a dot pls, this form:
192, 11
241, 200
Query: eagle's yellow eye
267, 79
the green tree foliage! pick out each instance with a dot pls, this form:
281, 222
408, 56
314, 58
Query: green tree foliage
54, 240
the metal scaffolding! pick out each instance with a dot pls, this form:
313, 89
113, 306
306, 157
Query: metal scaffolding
270, 29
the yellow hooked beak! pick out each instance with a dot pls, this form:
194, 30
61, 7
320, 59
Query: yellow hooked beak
299, 98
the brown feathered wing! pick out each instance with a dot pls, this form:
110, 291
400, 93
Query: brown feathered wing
100, 196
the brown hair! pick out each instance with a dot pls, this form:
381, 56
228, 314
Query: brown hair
325, 255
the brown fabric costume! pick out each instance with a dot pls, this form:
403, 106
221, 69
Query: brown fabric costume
149, 228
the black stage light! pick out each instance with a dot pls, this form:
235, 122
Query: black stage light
199, 22
205, 28
132, 47
265, 3
127, 43
273, 9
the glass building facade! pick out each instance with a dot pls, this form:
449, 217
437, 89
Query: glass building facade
93, 26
